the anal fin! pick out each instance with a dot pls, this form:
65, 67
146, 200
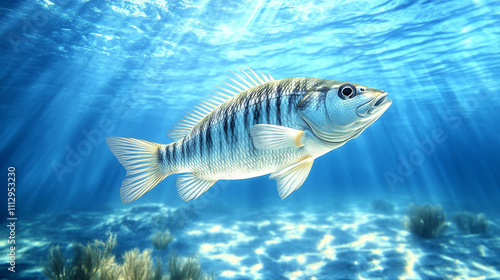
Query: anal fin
292, 176
191, 187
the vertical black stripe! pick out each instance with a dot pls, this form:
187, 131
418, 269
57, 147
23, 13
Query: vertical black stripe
160, 155
297, 87
194, 141
256, 112
208, 137
232, 124
174, 151
183, 149
246, 121
291, 99
278, 104
268, 109
294, 94
167, 155
200, 142
226, 123
188, 144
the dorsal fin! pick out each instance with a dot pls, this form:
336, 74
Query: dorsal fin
240, 84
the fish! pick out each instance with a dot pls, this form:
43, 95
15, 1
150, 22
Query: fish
253, 126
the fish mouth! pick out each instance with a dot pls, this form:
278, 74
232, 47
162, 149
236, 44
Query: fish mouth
381, 98
381, 102
375, 107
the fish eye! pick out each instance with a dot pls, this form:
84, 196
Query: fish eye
347, 91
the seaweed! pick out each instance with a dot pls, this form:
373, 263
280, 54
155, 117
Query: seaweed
427, 221
471, 223
55, 267
95, 261
162, 239
381, 205
137, 266
158, 270
92, 261
185, 268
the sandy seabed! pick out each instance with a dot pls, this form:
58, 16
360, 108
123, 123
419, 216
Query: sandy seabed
353, 242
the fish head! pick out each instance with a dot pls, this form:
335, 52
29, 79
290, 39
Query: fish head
339, 111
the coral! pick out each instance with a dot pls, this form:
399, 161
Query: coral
185, 268
427, 221
471, 223
161, 240
382, 206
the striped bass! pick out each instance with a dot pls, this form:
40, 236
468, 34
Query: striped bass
256, 126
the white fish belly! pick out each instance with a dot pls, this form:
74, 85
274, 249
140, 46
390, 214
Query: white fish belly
251, 166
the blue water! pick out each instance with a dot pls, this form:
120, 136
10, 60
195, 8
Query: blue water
74, 72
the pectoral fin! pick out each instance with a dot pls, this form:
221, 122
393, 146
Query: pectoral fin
291, 177
269, 137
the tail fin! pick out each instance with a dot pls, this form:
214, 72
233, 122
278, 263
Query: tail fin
140, 159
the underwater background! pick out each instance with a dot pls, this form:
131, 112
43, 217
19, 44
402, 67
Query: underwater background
75, 72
